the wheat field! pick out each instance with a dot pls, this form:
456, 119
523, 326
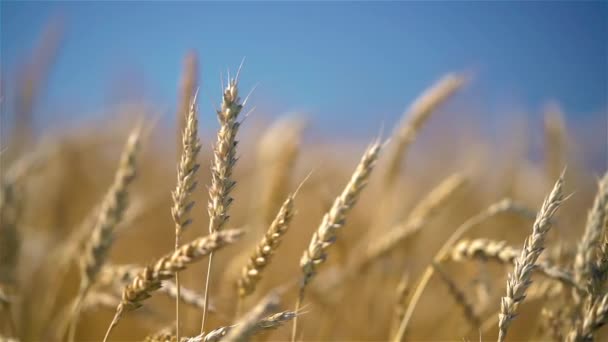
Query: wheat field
125, 229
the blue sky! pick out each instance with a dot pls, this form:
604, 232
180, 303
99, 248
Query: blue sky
357, 60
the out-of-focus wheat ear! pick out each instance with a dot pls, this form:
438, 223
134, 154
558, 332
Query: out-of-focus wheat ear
459, 296
186, 183
261, 256
556, 138
401, 295
248, 325
520, 279
224, 159
277, 152
109, 216
424, 211
413, 120
31, 81
326, 234
165, 334
10, 244
585, 262
595, 316
187, 89
149, 279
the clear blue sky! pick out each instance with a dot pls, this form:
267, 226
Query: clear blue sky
360, 60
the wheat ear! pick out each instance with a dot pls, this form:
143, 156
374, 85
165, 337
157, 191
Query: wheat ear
421, 213
251, 273
117, 276
186, 183
150, 278
595, 316
459, 296
325, 236
110, 214
268, 323
248, 325
413, 120
519, 280
224, 159
499, 251
585, 260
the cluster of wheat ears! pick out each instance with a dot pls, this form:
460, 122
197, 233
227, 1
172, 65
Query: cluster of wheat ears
576, 278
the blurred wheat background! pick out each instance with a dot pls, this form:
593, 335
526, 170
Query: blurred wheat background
340, 211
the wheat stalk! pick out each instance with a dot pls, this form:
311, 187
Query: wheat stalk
587, 250
186, 183
335, 219
224, 154
519, 280
150, 278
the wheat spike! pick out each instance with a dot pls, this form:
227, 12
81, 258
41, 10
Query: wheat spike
596, 316
248, 325
224, 159
186, 183
150, 278
251, 272
519, 280
333, 220
587, 250
414, 119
